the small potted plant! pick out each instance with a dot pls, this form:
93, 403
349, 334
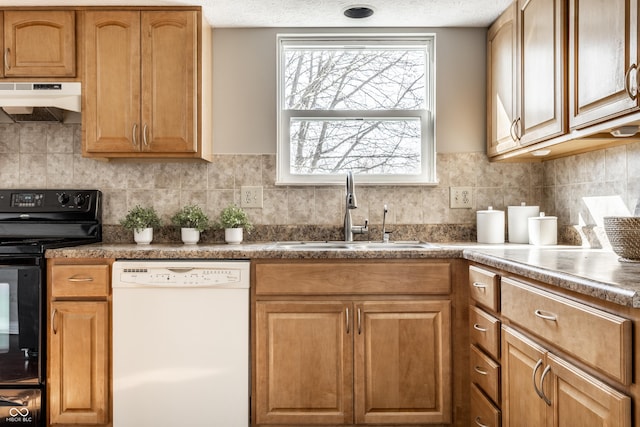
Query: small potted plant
234, 220
142, 221
192, 221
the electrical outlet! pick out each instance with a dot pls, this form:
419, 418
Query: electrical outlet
251, 197
461, 197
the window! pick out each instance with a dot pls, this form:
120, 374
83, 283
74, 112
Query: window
360, 103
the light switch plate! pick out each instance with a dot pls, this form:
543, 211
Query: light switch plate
461, 197
251, 197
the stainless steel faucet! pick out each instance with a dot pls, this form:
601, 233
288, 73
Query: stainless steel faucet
351, 203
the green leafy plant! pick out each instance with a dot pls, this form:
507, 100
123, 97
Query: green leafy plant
234, 217
140, 218
191, 216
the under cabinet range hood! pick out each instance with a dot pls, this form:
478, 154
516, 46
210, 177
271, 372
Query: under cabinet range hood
40, 101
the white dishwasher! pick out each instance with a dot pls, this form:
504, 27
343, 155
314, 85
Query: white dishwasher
180, 343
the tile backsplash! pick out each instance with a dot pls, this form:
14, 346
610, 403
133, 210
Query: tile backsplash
578, 189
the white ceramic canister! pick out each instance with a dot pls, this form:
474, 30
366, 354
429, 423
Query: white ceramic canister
490, 224
543, 230
517, 222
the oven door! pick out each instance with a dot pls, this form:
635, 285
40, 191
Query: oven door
21, 407
21, 312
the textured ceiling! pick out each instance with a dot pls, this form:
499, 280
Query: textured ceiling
321, 13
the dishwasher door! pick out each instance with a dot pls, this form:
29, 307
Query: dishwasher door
181, 343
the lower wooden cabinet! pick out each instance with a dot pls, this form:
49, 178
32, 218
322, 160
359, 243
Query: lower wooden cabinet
79, 363
79, 337
333, 362
542, 389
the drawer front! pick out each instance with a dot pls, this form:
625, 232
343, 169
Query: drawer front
485, 287
483, 412
80, 281
485, 373
593, 336
353, 277
484, 331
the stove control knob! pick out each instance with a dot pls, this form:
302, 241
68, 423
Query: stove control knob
79, 199
63, 198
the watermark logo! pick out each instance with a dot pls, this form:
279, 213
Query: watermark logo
19, 415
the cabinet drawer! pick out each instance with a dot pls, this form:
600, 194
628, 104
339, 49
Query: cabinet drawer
485, 373
593, 336
352, 277
485, 287
484, 331
483, 412
80, 280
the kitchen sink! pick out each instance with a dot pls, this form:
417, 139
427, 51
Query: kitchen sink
362, 245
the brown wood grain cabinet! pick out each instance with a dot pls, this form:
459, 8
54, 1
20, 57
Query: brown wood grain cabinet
148, 84
364, 355
603, 60
39, 43
79, 337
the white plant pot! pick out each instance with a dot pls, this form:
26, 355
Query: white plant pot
143, 236
233, 235
190, 236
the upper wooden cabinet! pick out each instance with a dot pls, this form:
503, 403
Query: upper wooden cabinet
603, 59
147, 84
39, 43
540, 70
501, 83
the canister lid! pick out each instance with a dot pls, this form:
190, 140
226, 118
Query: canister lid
543, 217
490, 211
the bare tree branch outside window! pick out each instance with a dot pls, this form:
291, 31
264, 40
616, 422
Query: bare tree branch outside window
355, 108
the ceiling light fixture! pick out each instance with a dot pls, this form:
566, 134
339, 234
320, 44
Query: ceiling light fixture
358, 12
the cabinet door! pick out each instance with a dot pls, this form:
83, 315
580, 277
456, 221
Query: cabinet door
522, 364
39, 43
541, 70
78, 379
169, 81
402, 367
603, 46
579, 400
501, 83
111, 111
304, 360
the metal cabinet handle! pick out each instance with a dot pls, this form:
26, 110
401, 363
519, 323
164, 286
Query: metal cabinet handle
347, 321
479, 424
479, 370
533, 378
512, 131
516, 129
632, 92
359, 323
54, 326
542, 395
134, 132
7, 64
479, 328
80, 279
479, 285
546, 316
144, 136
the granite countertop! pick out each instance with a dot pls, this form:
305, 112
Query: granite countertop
592, 272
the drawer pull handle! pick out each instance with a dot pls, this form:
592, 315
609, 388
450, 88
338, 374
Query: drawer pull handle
359, 323
545, 316
544, 396
80, 279
479, 370
477, 420
479, 328
479, 285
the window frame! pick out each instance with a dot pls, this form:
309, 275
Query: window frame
426, 116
